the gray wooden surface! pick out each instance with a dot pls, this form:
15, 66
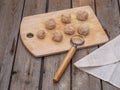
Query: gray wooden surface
19, 70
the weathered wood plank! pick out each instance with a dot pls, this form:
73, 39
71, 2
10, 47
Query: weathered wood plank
26, 70
108, 14
107, 86
81, 80
51, 63
77, 3
10, 16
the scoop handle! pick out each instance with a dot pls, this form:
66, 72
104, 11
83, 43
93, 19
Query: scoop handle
64, 64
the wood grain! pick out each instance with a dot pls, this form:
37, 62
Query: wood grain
47, 46
26, 70
81, 80
77, 3
51, 63
107, 86
107, 12
10, 16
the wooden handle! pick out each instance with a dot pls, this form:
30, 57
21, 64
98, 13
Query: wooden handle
64, 64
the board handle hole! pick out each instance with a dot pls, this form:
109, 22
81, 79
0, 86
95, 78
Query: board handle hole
30, 35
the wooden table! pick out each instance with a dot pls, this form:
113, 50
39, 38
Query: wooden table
19, 70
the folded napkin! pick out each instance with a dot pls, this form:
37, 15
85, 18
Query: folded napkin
103, 62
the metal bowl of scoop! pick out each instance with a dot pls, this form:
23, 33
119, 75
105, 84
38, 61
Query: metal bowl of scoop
77, 40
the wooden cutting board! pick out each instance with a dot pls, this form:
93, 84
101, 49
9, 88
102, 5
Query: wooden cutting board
32, 24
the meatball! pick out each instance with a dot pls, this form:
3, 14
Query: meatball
69, 29
83, 29
50, 24
82, 15
57, 36
41, 34
66, 18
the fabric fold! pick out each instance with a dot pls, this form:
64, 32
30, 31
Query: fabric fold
103, 63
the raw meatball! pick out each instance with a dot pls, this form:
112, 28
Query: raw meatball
50, 24
83, 29
66, 18
82, 15
57, 36
69, 29
41, 34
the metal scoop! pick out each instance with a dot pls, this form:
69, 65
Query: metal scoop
75, 41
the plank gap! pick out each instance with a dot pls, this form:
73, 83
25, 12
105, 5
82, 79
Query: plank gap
71, 4
47, 5
101, 84
118, 6
95, 7
42, 71
106, 31
15, 49
96, 15
71, 75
